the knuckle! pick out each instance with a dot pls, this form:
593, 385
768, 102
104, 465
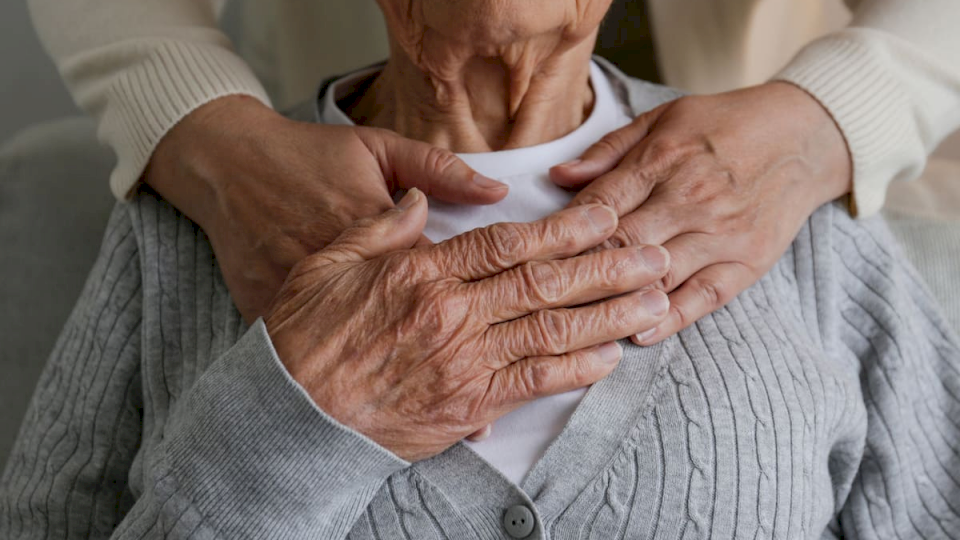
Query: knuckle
573, 371
507, 243
713, 293
552, 331
610, 195
557, 234
661, 153
614, 269
544, 282
533, 378
682, 315
618, 315
583, 370
620, 238
731, 181
708, 144
710, 190
612, 143
669, 282
437, 313
603, 196
680, 263
439, 159
638, 174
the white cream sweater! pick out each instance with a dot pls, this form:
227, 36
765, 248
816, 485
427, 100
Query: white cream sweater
891, 78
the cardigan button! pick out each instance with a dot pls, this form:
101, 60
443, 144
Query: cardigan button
518, 521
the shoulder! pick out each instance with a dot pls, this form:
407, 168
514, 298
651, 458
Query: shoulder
640, 96
856, 287
185, 296
176, 263
138, 234
155, 223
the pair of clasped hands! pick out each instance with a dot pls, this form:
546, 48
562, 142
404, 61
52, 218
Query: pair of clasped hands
417, 345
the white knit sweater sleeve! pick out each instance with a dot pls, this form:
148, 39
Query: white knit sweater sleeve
140, 66
891, 80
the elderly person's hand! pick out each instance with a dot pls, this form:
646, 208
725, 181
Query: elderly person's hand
269, 191
418, 348
724, 182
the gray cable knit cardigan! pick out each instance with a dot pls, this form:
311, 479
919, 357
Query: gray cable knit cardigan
821, 402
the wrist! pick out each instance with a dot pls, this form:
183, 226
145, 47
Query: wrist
187, 166
821, 142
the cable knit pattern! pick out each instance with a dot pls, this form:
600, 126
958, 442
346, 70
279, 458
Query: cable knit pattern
823, 401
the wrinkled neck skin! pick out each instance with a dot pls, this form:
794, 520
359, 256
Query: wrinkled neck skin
455, 94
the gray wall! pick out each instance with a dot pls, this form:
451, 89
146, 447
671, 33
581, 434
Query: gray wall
30, 90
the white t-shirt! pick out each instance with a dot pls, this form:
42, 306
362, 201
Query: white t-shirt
521, 437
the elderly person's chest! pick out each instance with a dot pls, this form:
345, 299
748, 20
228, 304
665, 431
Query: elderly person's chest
724, 431
728, 431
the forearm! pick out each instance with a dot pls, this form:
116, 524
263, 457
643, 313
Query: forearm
250, 456
892, 83
140, 67
246, 455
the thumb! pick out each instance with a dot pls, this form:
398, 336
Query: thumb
436, 172
606, 153
399, 228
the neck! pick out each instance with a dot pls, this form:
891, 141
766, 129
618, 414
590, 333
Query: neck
521, 95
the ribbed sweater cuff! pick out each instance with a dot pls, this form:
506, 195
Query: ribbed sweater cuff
255, 456
852, 81
147, 100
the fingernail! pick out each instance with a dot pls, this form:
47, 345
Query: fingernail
602, 217
571, 164
487, 182
610, 353
640, 338
655, 302
409, 199
655, 257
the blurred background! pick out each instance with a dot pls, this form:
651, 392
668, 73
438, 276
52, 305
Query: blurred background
34, 92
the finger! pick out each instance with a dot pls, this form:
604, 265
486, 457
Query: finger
690, 253
570, 282
541, 376
438, 173
654, 223
626, 187
485, 252
397, 228
559, 331
604, 155
686, 197
707, 291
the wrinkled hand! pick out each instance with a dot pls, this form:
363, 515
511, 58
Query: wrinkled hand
724, 182
269, 191
417, 348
